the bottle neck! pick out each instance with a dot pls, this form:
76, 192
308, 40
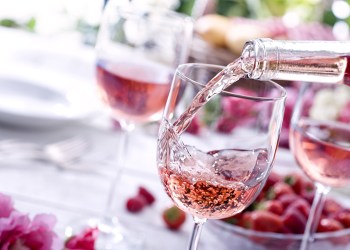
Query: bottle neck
323, 61
257, 55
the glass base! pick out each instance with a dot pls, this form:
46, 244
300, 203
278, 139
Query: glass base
111, 235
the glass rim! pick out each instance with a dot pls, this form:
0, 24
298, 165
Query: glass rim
255, 98
278, 236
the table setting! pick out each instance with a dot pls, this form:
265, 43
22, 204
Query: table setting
141, 142
75, 187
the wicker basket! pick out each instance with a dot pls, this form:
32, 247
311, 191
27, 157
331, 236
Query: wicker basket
203, 52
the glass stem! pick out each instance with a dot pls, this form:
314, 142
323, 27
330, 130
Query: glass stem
196, 232
126, 128
315, 214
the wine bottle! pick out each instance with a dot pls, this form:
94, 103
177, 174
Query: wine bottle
307, 61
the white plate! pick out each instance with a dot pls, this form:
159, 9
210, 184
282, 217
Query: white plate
31, 104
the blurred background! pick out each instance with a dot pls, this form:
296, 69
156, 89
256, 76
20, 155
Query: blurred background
56, 17
54, 39
221, 24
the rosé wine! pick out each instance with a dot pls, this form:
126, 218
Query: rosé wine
322, 149
134, 91
204, 199
215, 184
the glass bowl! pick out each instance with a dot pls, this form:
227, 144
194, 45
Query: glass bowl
246, 239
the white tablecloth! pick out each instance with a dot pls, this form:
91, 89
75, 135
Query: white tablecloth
40, 187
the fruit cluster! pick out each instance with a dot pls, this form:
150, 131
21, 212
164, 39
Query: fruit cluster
284, 204
136, 203
173, 216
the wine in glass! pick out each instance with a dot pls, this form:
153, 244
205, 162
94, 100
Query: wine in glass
138, 49
215, 151
320, 142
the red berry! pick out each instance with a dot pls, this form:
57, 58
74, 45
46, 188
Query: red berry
84, 240
174, 217
296, 182
281, 188
331, 207
135, 204
302, 206
273, 206
272, 180
235, 219
264, 221
294, 220
147, 195
287, 199
329, 225
343, 217
245, 221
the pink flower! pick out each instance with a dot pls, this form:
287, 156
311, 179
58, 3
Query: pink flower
18, 232
6, 206
83, 241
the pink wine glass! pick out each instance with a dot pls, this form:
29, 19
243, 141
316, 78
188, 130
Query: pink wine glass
138, 49
320, 142
218, 165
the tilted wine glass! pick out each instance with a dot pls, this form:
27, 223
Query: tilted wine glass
138, 49
217, 167
320, 142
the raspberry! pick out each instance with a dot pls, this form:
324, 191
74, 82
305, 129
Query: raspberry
135, 204
146, 195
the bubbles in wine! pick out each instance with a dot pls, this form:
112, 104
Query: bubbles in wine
229, 167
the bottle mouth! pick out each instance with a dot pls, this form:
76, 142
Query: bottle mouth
256, 55
248, 57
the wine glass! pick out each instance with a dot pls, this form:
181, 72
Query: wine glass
218, 165
138, 49
320, 143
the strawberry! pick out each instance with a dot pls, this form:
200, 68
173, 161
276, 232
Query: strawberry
302, 206
174, 217
329, 225
343, 217
265, 221
331, 207
85, 240
295, 180
287, 199
294, 220
332, 225
147, 195
281, 188
234, 219
245, 220
272, 180
273, 206
136, 204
